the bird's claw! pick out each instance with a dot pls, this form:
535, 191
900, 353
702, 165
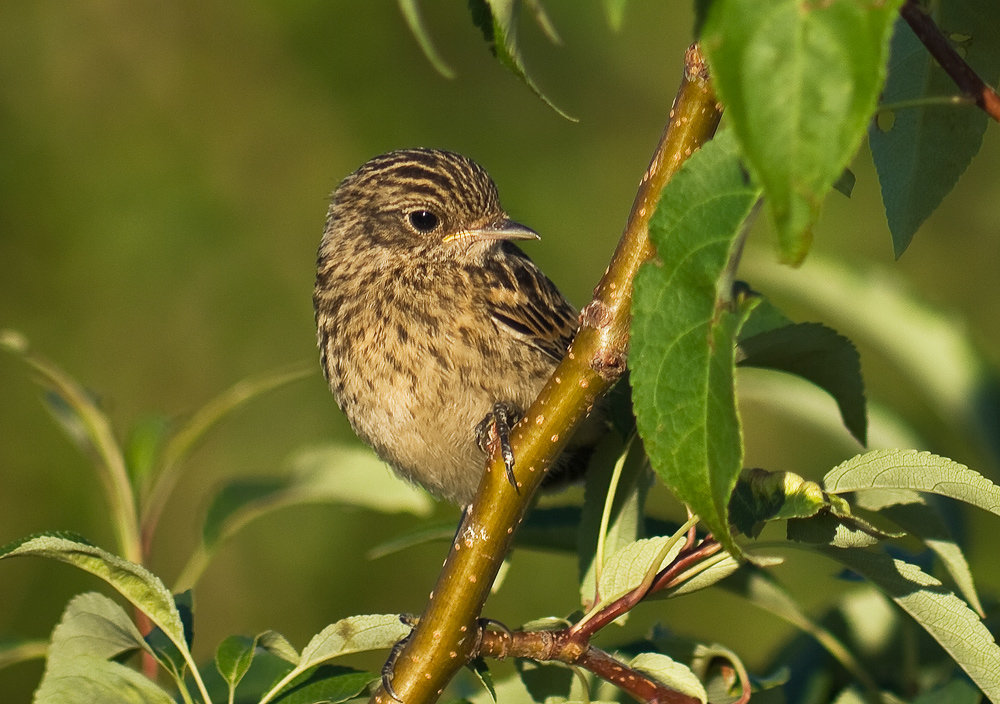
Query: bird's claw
495, 429
390, 662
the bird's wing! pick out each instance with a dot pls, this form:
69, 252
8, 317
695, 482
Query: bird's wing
525, 303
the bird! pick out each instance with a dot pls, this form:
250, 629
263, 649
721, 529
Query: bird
435, 330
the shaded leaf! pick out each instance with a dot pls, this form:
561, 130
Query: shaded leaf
799, 81
684, 332
415, 21
911, 512
761, 589
947, 618
328, 685
820, 355
926, 143
612, 516
350, 635
762, 496
498, 21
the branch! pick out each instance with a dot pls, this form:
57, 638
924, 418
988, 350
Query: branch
967, 80
559, 646
447, 634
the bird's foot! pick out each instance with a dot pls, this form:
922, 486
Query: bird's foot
494, 430
390, 662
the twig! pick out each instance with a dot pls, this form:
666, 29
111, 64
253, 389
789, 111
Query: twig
967, 80
560, 646
448, 634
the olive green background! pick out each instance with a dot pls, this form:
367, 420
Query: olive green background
164, 170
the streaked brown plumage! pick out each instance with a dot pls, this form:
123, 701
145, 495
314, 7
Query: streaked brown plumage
428, 314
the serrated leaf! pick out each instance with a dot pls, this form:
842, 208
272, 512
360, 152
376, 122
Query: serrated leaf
498, 21
911, 512
87, 679
943, 615
92, 632
328, 685
353, 635
630, 565
415, 21
819, 355
668, 671
915, 470
137, 584
930, 142
710, 572
835, 531
350, 635
799, 81
928, 347
684, 330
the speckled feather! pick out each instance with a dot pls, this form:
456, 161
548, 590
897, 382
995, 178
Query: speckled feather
422, 331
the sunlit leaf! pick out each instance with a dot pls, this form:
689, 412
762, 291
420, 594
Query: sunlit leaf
685, 324
799, 81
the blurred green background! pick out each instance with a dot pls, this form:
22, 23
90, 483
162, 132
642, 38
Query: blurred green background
164, 170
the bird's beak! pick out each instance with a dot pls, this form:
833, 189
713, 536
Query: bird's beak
504, 229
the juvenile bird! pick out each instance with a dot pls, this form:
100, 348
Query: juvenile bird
431, 322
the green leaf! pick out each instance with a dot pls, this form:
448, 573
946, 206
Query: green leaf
329, 685
137, 584
820, 355
91, 430
911, 512
929, 348
684, 330
762, 496
915, 470
336, 474
498, 21
86, 679
612, 516
675, 675
17, 651
350, 635
415, 21
614, 11
92, 632
922, 143
629, 566
142, 448
331, 474
233, 658
799, 81
943, 615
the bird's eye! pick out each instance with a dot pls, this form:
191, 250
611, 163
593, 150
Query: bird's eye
423, 220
